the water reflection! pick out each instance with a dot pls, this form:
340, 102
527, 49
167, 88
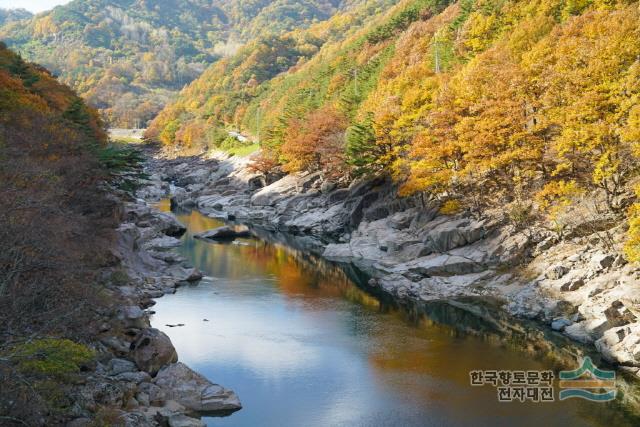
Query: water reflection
303, 346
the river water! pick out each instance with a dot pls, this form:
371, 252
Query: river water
302, 345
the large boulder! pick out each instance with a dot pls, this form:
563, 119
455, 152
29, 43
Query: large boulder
145, 216
151, 350
178, 382
224, 233
169, 225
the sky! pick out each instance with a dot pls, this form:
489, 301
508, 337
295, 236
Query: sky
34, 6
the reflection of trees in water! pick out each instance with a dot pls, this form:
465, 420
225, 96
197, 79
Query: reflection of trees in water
294, 271
437, 328
298, 273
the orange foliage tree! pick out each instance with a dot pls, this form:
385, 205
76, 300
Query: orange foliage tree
316, 143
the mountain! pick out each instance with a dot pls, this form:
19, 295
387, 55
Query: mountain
11, 15
529, 105
221, 95
129, 57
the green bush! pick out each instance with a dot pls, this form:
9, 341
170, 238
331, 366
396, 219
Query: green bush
52, 357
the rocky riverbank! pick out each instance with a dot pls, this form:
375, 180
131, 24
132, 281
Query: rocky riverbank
138, 380
579, 285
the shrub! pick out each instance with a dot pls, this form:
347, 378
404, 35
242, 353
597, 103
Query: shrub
52, 357
521, 214
451, 207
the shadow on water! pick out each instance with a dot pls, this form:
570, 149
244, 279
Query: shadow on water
308, 342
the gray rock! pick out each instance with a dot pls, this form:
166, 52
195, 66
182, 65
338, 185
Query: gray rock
194, 391
136, 419
169, 225
145, 216
450, 234
194, 275
152, 393
162, 414
445, 265
336, 251
574, 258
327, 187
338, 195
602, 260
618, 315
143, 399
620, 262
168, 257
181, 420
224, 233
162, 243
578, 332
572, 285
279, 190
556, 272
118, 346
133, 317
102, 393
118, 366
196, 176
134, 377
560, 324
545, 245
402, 220
621, 345
151, 350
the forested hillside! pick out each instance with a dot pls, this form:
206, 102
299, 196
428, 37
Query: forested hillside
528, 104
56, 227
128, 57
220, 97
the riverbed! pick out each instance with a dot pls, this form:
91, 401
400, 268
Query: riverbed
303, 345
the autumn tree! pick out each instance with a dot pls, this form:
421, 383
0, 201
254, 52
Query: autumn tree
317, 143
587, 74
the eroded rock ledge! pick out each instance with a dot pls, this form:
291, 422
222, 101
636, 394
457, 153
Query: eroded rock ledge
581, 286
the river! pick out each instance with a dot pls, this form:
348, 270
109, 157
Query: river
303, 345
